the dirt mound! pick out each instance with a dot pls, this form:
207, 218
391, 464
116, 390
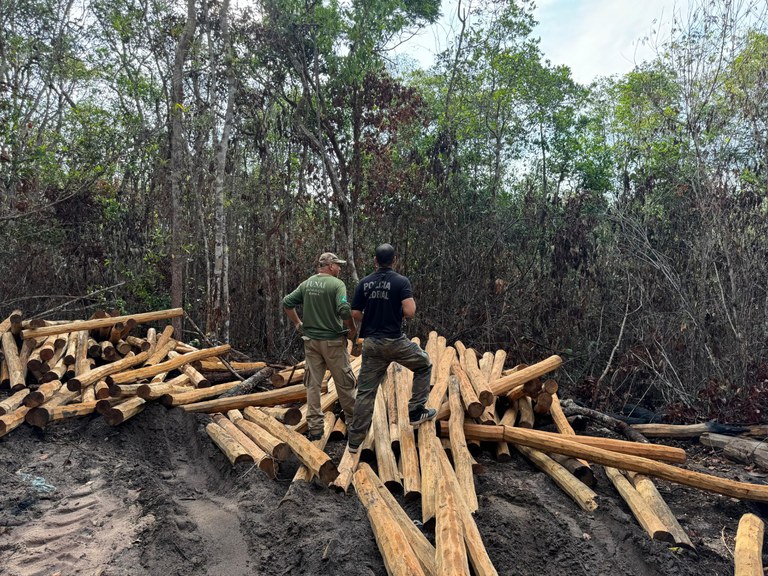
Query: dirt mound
155, 496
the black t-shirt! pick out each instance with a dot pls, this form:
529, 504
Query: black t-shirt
379, 296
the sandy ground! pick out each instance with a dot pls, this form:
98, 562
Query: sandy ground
155, 496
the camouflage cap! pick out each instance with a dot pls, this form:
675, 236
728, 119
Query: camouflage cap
328, 258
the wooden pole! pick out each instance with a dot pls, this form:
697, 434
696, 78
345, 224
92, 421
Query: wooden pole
125, 410
44, 393
506, 383
262, 460
15, 400
275, 447
478, 380
462, 460
12, 420
472, 403
197, 379
409, 456
647, 518
15, 370
101, 323
385, 458
304, 474
79, 382
196, 394
232, 449
167, 366
647, 489
748, 556
286, 395
450, 552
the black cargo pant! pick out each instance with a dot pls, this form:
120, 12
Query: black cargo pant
378, 354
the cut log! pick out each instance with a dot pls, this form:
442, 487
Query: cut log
571, 409
478, 380
525, 410
14, 401
234, 452
251, 385
471, 402
409, 455
168, 365
303, 474
196, 394
197, 379
12, 420
440, 387
15, 319
101, 323
40, 416
462, 460
288, 416
141, 343
385, 458
101, 390
44, 393
748, 556
647, 489
103, 372
399, 557
15, 370
686, 430
164, 344
215, 365
278, 449
579, 468
286, 395
153, 391
430, 469
347, 468
640, 509
316, 460
390, 401
568, 483
339, 431
506, 383
262, 460
450, 552
71, 411
743, 450
123, 411
286, 377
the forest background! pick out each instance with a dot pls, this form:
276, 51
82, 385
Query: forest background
158, 154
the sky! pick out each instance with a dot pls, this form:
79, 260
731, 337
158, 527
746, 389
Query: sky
592, 37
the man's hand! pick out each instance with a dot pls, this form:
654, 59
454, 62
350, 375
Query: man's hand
357, 347
300, 328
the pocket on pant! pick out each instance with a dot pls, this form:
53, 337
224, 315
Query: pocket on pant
335, 343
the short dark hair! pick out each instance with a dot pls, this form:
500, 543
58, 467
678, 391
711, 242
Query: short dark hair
385, 254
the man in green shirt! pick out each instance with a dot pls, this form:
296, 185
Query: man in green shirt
326, 312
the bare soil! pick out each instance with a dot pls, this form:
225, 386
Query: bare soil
155, 496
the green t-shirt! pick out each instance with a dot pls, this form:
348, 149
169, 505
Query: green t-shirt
324, 301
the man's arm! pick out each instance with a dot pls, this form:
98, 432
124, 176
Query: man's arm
293, 316
409, 308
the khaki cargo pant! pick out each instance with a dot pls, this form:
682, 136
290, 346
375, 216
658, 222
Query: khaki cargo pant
378, 354
322, 355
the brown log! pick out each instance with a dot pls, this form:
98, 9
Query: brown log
123, 348
471, 402
303, 474
478, 380
543, 402
673, 430
430, 469
40, 416
263, 461
583, 472
478, 555
525, 410
647, 489
44, 393
101, 390
216, 365
47, 350
286, 395
101, 323
506, 383
316, 460
88, 394
744, 450
575, 489
196, 394
164, 344
399, 557
125, 410
278, 449
71, 411
643, 513
509, 418
94, 348
114, 333
234, 452
409, 456
14, 401
197, 379
251, 385
748, 556
12, 420
15, 370
286, 377
82, 362
347, 468
462, 460
168, 365
579, 468
440, 387
385, 458
390, 401
15, 319
486, 365
499, 358
450, 552
339, 431
571, 409
141, 343
288, 416
104, 372
154, 390
4, 376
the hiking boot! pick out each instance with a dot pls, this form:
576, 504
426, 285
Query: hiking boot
312, 436
353, 449
421, 415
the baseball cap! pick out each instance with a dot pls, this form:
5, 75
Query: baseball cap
327, 258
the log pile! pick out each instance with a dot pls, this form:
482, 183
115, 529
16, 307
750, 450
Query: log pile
57, 370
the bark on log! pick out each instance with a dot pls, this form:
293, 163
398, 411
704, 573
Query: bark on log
399, 557
478, 380
196, 394
216, 365
197, 379
462, 460
430, 469
287, 377
525, 411
71, 411
339, 431
164, 344
748, 556
647, 518
255, 383
743, 450
288, 416
141, 343
579, 468
471, 402
347, 468
286, 395
15, 370
153, 391
234, 452
167, 366
15, 400
440, 387
40, 416
262, 460
42, 394
101, 323
568, 483
571, 409
316, 460
304, 474
647, 489
121, 412
278, 449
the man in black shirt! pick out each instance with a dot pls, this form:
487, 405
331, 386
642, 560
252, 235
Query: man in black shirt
381, 300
